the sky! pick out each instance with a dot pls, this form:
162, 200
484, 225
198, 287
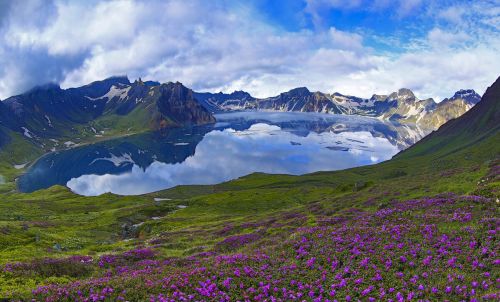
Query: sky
355, 47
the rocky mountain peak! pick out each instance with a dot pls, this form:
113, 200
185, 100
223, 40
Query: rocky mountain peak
176, 88
468, 95
378, 97
139, 81
240, 94
405, 91
177, 102
403, 94
298, 92
44, 88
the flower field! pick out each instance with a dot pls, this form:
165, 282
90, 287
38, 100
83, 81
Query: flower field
443, 248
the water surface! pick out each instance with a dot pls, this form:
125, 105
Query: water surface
238, 144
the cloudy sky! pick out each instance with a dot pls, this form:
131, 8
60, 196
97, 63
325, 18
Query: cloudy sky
357, 47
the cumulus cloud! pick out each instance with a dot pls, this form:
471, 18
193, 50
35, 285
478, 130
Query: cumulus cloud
211, 46
261, 148
445, 39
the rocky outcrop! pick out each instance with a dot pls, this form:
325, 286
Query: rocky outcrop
177, 103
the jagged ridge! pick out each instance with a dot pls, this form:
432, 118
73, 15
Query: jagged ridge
476, 125
401, 106
51, 112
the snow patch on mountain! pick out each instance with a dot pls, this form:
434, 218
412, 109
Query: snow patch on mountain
113, 92
27, 133
49, 122
20, 166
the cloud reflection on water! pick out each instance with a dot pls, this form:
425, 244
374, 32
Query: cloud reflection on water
227, 154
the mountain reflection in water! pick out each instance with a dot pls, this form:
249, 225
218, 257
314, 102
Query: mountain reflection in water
238, 144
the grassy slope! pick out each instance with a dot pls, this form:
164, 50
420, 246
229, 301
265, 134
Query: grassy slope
138, 120
56, 222
17, 151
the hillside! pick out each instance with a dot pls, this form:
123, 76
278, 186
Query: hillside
48, 118
420, 226
480, 123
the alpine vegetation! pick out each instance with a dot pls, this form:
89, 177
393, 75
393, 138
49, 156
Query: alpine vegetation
247, 150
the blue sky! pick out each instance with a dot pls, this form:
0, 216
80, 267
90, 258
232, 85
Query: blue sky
355, 47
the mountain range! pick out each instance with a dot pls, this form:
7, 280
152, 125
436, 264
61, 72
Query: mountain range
400, 106
52, 118
474, 127
48, 118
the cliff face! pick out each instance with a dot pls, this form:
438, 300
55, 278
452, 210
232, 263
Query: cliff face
177, 103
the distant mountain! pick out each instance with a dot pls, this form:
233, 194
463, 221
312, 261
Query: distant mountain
299, 99
479, 124
48, 118
401, 106
47, 114
468, 95
215, 102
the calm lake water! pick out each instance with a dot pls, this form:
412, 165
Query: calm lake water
238, 144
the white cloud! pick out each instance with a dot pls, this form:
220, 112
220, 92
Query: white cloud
408, 6
208, 46
437, 72
346, 40
445, 39
453, 14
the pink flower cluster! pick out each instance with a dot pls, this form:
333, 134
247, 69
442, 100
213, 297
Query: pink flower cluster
431, 249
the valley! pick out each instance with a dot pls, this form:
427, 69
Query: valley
249, 150
31, 126
210, 241
238, 144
